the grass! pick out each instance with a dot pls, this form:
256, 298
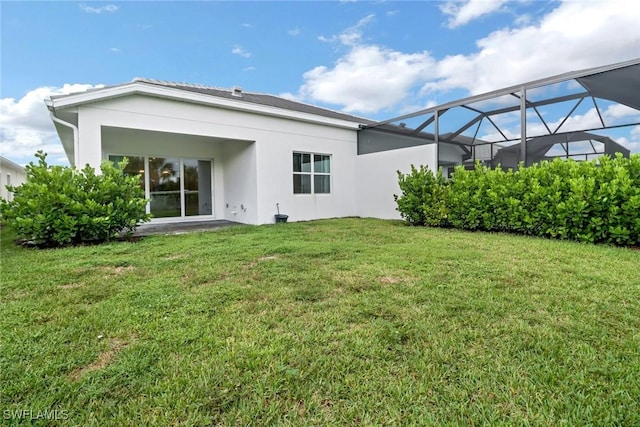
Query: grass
336, 322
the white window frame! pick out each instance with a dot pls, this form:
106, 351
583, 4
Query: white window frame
312, 173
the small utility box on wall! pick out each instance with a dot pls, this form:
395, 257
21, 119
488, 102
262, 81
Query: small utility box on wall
280, 217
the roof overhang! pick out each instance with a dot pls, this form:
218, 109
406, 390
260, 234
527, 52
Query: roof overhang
66, 102
6, 163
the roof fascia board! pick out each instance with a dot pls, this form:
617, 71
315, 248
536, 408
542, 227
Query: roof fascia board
140, 88
516, 88
11, 164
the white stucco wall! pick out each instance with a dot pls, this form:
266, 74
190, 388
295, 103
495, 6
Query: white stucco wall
10, 173
275, 175
450, 154
240, 194
377, 178
274, 141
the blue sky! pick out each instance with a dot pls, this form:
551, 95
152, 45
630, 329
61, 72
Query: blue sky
377, 59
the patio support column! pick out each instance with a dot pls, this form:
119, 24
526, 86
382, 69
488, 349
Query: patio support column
523, 125
90, 137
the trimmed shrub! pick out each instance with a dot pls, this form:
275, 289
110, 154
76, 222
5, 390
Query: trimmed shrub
423, 199
594, 201
65, 206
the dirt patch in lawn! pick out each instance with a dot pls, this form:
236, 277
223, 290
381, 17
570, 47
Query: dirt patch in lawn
262, 259
118, 270
71, 286
103, 360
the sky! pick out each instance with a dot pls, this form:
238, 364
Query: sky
375, 59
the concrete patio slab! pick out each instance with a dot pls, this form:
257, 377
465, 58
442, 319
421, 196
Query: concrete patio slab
183, 227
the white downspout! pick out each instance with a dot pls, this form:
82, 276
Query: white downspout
76, 144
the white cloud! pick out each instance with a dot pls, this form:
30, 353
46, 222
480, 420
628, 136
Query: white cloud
462, 12
573, 36
633, 142
352, 35
369, 78
25, 125
618, 112
249, 69
115, 50
240, 51
247, 25
294, 32
98, 10
412, 108
523, 19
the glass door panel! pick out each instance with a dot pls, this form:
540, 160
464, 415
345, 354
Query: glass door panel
135, 166
164, 187
197, 187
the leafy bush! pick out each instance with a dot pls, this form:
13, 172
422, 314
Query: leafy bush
60, 205
423, 199
594, 201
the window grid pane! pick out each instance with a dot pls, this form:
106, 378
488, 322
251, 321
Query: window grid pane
321, 184
301, 162
301, 183
311, 173
321, 163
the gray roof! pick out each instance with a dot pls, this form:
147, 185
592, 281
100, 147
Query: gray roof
257, 98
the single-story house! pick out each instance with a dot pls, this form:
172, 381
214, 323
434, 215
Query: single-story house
210, 153
10, 174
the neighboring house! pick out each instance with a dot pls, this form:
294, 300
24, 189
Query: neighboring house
10, 174
207, 153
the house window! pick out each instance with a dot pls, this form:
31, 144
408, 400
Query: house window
311, 173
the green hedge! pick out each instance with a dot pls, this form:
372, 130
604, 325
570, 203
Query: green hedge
61, 205
594, 201
423, 197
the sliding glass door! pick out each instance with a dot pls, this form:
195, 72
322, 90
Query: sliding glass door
164, 187
197, 187
176, 187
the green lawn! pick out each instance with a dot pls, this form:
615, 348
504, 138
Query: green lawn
337, 322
